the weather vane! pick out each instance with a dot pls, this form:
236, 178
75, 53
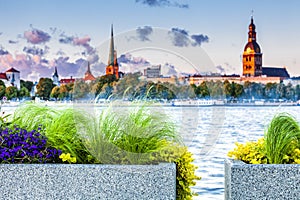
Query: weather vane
252, 11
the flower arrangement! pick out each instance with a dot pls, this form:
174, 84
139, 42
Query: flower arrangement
280, 144
74, 136
21, 146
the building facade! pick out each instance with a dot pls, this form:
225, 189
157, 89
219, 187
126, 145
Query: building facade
153, 71
11, 78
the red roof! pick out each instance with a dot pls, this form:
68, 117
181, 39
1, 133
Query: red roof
3, 76
12, 70
67, 80
89, 77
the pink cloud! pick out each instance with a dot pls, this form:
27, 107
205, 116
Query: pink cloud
81, 41
36, 36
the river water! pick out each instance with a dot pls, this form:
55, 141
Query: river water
210, 132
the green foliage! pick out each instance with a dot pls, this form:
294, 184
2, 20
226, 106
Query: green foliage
27, 84
280, 144
11, 92
137, 136
251, 152
23, 92
185, 169
81, 89
282, 131
103, 80
130, 137
54, 92
59, 127
44, 87
2, 89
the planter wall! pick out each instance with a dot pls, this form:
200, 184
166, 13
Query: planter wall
76, 181
263, 181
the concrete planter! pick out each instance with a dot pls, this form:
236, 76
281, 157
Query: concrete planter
76, 181
264, 181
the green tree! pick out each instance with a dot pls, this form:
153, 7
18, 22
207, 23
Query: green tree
203, 90
270, 90
237, 90
2, 89
23, 92
82, 90
44, 87
127, 86
27, 84
11, 92
100, 82
297, 92
63, 92
55, 92
289, 92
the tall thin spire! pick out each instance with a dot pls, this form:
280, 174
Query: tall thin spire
88, 68
251, 33
112, 48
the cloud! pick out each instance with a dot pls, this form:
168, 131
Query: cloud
162, 3
2, 51
144, 32
199, 39
66, 68
36, 36
1, 33
129, 59
81, 41
180, 37
66, 40
220, 69
34, 51
93, 58
84, 41
12, 42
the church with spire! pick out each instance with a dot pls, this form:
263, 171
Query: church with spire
252, 56
252, 59
112, 67
88, 76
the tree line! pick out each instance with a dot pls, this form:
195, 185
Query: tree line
12, 92
133, 86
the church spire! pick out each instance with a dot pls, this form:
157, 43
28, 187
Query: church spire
113, 66
251, 33
55, 73
88, 68
111, 57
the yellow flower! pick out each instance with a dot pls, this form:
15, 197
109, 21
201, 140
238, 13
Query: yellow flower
67, 157
73, 160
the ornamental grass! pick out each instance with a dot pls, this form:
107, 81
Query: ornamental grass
69, 135
280, 144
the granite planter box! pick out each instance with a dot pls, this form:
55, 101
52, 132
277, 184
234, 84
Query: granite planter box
89, 181
262, 181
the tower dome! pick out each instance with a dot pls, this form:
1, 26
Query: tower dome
252, 47
252, 56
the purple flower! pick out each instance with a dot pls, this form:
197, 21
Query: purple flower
21, 146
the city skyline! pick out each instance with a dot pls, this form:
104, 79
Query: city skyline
35, 37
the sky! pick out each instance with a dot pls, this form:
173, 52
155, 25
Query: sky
192, 36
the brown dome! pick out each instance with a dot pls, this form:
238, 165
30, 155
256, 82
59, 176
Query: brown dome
253, 47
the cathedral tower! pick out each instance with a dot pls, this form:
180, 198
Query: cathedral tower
252, 56
88, 76
112, 66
